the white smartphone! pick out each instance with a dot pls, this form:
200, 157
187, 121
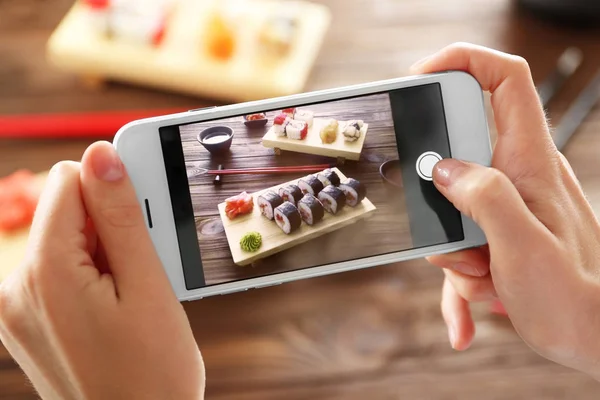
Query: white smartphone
256, 194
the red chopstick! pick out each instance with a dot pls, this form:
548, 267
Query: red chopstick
270, 170
72, 125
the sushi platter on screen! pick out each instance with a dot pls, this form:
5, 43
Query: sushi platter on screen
272, 220
297, 130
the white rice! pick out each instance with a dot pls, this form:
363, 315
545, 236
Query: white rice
306, 211
329, 203
306, 116
265, 208
284, 225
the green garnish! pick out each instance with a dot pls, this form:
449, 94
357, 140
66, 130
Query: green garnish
251, 241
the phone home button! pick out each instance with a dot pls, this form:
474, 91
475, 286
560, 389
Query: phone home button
425, 164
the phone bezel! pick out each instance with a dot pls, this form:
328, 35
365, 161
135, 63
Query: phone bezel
468, 136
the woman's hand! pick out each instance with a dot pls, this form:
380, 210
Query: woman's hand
91, 314
543, 255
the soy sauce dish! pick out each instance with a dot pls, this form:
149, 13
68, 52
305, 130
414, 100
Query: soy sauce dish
216, 139
255, 120
390, 171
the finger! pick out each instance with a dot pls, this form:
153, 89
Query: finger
457, 315
488, 197
473, 262
517, 106
60, 214
58, 255
112, 204
471, 288
59, 226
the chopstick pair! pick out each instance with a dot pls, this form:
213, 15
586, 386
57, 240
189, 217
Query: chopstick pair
265, 170
95, 124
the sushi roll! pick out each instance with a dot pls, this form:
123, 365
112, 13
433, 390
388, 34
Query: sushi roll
352, 130
311, 210
287, 217
279, 124
291, 193
329, 132
296, 130
290, 112
333, 199
354, 190
306, 116
310, 184
268, 202
329, 177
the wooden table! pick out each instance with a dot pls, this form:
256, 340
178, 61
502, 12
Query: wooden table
374, 333
387, 230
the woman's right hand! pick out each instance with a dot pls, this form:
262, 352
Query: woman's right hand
543, 254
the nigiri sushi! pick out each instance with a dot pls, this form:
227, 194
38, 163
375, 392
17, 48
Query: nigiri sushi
332, 198
311, 210
329, 132
277, 35
268, 202
279, 124
354, 190
352, 130
287, 217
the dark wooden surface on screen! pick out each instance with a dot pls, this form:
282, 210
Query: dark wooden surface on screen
369, 334
386, 231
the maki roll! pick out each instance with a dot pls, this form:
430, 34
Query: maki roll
287, 217
304, 115
311, 210
268, 202
354, 190
291, 193
310, 184
333, 199
296, 129
289, 111
352, 130
279, 124
329, 177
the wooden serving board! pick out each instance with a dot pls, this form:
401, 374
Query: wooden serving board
273, 238
180, 63
13, 245
312, 144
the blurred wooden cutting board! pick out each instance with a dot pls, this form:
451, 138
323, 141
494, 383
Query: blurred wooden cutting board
13, 245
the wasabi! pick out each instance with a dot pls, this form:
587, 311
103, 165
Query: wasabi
251, 242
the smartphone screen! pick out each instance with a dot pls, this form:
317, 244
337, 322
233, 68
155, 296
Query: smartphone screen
337, 181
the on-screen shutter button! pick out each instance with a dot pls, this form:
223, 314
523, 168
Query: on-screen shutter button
425, 164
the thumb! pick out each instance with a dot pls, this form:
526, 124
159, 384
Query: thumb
111, 203
488, 197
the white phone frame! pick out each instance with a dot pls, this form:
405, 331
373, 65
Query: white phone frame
138, 145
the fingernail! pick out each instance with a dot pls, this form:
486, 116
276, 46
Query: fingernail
447, 170
452, 335
107, 165
466, 269
420, 62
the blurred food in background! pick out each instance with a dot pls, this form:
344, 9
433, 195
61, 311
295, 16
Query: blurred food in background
233, 50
